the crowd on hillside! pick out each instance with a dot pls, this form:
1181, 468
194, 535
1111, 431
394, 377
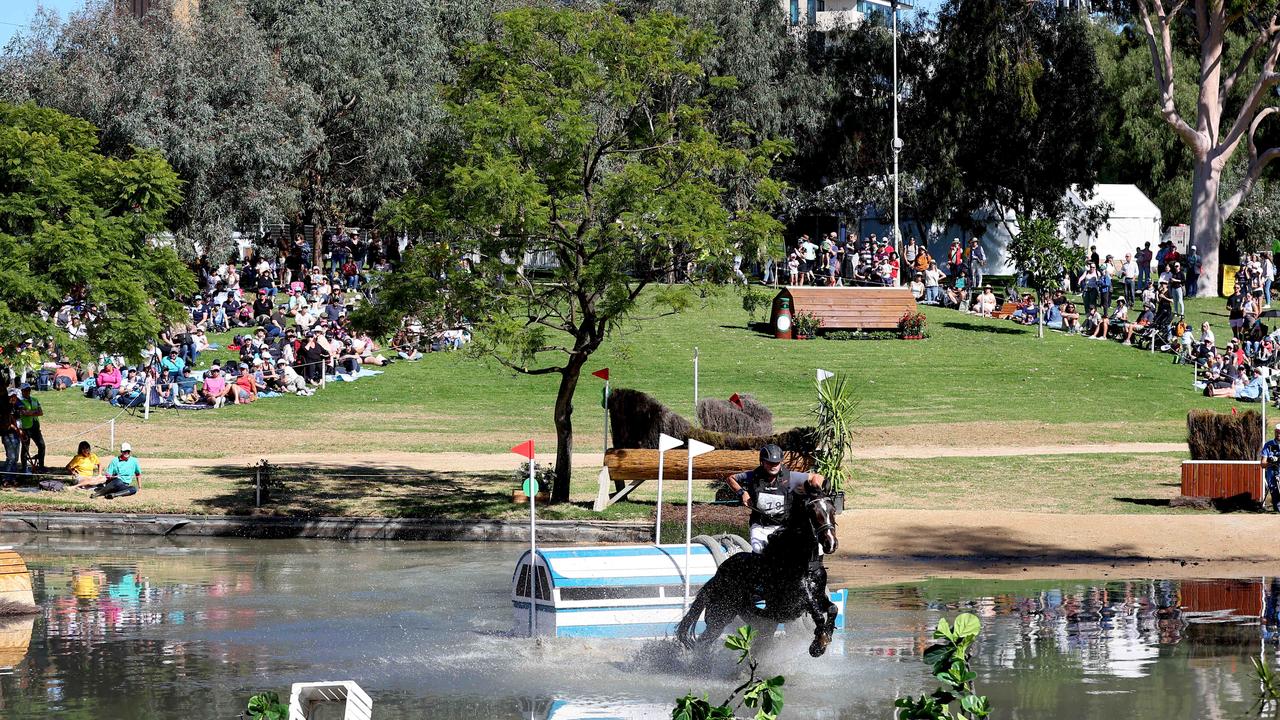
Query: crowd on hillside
288, 311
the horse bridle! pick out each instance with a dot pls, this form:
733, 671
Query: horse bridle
831, 525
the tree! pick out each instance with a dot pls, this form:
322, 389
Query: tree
77, 224
1011, 96
1042, 256
367, 75
588, 139
1234, 96
207, 93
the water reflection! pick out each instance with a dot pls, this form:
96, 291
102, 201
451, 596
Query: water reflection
190, 629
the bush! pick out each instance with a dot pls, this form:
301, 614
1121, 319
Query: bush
723, 416
853, 335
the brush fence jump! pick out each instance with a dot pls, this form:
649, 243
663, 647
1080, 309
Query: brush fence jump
615, 591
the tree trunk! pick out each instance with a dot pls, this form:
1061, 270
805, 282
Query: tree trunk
564, 426
1206, 224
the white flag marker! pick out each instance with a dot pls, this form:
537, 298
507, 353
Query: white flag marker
695, 449
665, 443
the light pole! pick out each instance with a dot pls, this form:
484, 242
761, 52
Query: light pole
897, 141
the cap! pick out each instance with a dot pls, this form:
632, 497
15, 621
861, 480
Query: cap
257, 361
244, 366
282, 361
13, 392
26, 386
126, 447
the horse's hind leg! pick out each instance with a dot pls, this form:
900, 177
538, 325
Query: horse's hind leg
718, 615
822, 610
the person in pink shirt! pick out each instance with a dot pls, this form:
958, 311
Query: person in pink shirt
108, 382
215, 388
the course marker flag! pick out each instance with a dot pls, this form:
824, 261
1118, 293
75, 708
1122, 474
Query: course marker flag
695, 449
665, 443
824, 374
525, 448
603, 373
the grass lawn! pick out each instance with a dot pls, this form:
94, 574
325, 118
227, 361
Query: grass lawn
974, 381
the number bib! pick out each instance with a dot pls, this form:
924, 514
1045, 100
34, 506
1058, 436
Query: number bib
772, 505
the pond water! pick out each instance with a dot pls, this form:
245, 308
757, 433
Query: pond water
186, 629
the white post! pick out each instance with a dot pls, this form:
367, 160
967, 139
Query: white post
665, 443
146, 399
533, 553
695, 449
324, 372
605, 452
113, 435
695, 384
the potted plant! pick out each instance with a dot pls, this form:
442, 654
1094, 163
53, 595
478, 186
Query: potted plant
544, 476
912, 325
836, 412
806, 325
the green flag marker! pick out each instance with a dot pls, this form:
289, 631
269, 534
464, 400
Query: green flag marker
526, 489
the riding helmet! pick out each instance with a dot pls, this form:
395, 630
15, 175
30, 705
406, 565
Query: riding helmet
770, 454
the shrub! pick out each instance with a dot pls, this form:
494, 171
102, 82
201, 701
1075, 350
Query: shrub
806, 323
912, 323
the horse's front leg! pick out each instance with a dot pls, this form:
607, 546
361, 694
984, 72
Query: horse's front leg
821, 609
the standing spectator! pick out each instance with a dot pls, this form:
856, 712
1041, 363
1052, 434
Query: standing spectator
1271, 460
1268, 277
955, 258
1105, 272
1089, 282
1176, 288
1129, 277
339, 247
1193, 270
808, 258
29, 414
1144, 266
976, 259
10, 434
911, 252
1235, 310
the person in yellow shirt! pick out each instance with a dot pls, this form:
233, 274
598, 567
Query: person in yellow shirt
85, 467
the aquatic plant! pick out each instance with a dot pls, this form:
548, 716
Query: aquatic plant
267, 706
949, 659
759, 694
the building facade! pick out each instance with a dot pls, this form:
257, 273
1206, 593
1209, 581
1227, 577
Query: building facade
826, 15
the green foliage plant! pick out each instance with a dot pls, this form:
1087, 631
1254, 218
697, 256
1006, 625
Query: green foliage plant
763, 695
267, 706
75, 222
837, 411
753, 301
949, 662
588, 141
1042, 256
806, 324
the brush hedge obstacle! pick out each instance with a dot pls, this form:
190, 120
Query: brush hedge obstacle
1223, 436
745, 417
637, 419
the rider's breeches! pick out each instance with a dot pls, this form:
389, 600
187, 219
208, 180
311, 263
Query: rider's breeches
760, 536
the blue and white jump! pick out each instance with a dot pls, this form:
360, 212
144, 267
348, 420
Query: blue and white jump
633, 591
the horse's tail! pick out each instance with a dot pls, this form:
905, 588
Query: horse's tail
685, 631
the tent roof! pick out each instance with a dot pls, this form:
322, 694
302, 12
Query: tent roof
1127, 201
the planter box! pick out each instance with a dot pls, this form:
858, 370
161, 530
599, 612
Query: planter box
518, 497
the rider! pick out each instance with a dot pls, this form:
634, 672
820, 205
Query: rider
767, 491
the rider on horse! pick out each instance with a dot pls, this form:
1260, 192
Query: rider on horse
767, 490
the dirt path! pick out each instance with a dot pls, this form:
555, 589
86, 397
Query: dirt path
910, 543
477, 462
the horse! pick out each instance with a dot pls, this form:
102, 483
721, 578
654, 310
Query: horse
788, 575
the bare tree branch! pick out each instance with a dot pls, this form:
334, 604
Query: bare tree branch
1163, 66
1257, 163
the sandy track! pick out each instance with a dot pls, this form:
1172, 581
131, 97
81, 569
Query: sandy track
477, 462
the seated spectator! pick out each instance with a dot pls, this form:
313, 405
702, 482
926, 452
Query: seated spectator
1118, 319
1144, 319
184, 390
1095, 325
1053, 316
1252, 390
64, 376
289, 379
172, 366
245, 390
85, 468
108, 383
122, 474
985, 303
1070, 318
215, 390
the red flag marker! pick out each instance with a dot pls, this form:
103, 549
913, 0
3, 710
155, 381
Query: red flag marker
1233, 410
603, 374
736, 401
525, 448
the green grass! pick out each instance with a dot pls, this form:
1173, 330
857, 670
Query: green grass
1082, 484
982, 380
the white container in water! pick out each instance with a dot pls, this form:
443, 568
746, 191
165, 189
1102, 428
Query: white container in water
613, 591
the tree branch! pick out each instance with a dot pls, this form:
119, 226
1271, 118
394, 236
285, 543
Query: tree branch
1257, 163
524, 370
1163, 66
1245, 118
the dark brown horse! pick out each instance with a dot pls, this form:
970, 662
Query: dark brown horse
788, 575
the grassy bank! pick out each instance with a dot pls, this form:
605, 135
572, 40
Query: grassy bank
983, 381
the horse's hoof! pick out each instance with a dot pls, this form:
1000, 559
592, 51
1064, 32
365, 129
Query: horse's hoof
818, 646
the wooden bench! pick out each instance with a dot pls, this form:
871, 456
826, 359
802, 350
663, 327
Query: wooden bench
1006, 310
855, 308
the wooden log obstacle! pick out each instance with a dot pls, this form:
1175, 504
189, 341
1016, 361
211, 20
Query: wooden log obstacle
634, 466
854, 308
